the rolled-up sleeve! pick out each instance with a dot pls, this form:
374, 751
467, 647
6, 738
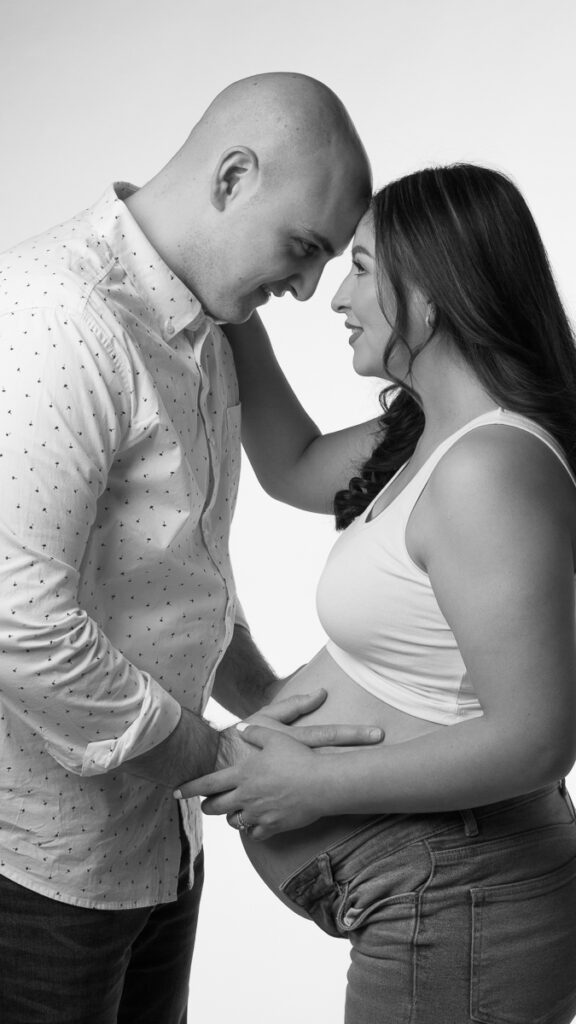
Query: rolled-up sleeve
65, 413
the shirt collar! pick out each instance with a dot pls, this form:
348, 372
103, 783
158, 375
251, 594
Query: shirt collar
171, 305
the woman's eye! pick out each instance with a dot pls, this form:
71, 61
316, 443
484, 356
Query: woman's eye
358, 268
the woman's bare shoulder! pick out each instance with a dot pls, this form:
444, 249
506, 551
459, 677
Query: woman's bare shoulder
493, 465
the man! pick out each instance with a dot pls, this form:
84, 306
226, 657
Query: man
119, 464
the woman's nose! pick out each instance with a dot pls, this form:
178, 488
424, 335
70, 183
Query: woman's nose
340, 303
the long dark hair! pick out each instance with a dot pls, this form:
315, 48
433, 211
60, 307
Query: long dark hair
465, 237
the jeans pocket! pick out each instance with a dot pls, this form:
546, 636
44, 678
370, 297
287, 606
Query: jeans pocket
524, 950
401, 906
387, 889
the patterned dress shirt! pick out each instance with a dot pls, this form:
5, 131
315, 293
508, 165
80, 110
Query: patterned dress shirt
119, 465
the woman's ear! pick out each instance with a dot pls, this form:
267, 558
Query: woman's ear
235, 173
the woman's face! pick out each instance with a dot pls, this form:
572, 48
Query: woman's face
357, 298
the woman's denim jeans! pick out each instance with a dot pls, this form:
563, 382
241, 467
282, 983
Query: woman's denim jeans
63, 964
454, 917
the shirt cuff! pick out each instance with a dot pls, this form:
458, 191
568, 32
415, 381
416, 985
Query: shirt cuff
159, 716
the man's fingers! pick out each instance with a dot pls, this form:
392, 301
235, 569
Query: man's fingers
208, 785
315, 735
291, 708
336, 735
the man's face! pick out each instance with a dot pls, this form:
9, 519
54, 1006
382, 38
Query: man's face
280, 241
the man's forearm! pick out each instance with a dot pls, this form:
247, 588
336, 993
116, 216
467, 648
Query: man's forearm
187, 753
244, 683
244, 680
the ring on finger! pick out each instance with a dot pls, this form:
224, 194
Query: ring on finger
239, 824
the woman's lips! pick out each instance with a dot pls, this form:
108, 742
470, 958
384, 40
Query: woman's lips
356, 332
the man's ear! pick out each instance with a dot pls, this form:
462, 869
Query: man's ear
236, 171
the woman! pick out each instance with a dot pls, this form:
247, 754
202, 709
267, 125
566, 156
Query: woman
446, 854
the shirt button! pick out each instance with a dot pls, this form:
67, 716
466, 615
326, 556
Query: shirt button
169, 330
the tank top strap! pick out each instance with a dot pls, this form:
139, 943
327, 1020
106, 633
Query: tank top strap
408, 497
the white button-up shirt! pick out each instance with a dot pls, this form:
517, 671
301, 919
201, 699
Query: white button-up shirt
119, 465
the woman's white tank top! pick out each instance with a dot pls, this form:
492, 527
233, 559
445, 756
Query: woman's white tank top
378, 608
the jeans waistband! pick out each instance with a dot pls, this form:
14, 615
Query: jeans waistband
531, 809
550, 805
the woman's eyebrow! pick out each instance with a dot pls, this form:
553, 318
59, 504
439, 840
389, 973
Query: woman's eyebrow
359, 250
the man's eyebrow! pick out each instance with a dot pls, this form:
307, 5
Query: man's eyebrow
359, 250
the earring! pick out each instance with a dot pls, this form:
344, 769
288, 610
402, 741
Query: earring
431, 315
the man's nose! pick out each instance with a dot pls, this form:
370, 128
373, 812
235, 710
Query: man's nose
308, 283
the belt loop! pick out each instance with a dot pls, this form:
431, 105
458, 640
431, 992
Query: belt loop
324, 865
470, 823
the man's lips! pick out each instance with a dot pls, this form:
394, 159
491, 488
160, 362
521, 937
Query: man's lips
276, 290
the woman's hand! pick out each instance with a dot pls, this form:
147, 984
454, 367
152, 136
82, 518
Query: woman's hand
270, 769
277, 785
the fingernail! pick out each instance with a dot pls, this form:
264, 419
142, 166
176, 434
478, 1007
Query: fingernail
376, 734
177, 794
241, 726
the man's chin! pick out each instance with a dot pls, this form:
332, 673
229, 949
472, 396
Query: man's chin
241, 311
240, 318
230, 316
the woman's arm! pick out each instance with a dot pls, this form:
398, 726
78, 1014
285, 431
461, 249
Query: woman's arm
498, 546
293, 461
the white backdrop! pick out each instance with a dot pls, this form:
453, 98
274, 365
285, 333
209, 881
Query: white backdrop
94, 92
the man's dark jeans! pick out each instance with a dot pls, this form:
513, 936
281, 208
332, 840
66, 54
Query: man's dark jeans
62, 964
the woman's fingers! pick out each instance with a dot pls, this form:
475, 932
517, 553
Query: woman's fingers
208, 785
226, 780
225, 804
257, 832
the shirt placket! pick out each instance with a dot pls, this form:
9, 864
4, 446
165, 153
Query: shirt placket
212, 426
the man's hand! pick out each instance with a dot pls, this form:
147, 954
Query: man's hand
271, 770
280, 716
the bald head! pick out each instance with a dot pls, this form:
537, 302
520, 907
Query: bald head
267, 187
283, 116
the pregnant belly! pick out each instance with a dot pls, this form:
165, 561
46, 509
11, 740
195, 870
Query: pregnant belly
278, 858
